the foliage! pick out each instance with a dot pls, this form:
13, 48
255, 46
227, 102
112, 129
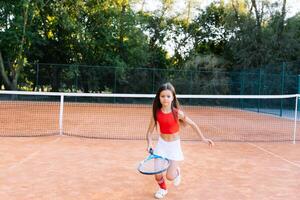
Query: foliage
76, 37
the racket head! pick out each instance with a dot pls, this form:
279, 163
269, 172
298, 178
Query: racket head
154, 164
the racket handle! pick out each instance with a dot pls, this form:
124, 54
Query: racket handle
151, 151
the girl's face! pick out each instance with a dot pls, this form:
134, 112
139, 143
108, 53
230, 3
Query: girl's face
166, 98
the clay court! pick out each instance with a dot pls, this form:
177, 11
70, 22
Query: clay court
62, 168
254, 156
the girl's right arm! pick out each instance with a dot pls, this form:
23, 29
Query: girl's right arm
149, 133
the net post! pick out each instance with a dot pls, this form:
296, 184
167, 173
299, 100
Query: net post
61, 112
295, 119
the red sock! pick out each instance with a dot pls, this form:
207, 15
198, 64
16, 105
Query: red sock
162, 183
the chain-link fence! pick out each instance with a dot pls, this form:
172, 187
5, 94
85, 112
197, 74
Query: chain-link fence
277, 79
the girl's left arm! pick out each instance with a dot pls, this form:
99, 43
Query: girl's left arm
190, 122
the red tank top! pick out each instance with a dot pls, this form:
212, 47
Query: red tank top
167, 123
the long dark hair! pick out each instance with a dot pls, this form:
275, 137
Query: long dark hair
157, 105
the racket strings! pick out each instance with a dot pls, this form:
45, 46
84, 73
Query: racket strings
154, 165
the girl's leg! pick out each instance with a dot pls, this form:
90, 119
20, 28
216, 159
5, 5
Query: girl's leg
162, 187
161, 181
173, 173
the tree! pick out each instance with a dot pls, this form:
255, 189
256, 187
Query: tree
16, 18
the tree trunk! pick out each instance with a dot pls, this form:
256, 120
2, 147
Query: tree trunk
143, 6
122, 29
15, 68
7, 83
281, 22
257, 15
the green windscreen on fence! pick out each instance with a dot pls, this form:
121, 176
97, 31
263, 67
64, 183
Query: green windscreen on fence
273, 79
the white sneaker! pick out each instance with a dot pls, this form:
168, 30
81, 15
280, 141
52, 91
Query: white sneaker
177, 180
160, 193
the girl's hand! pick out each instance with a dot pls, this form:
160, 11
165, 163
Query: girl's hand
148, 148
209, 142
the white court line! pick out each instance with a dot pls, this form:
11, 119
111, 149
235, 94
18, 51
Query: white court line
29, 157
275, 155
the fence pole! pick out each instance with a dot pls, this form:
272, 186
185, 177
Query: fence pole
115, 81
37, 76
282, 86
295, 120
76, 78
153, 80
259, 87
299, 84
242, 86
191, 81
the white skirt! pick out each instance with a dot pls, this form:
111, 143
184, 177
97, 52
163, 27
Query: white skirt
170, 150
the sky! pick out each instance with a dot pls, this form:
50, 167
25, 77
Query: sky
293, 6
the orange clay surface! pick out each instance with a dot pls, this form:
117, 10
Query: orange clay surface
72, 168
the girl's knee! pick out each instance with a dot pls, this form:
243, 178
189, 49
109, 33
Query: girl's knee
170, 177
158, 177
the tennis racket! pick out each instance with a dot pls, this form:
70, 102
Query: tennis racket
153, 164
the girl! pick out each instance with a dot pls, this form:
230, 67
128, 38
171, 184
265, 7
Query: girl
166, 113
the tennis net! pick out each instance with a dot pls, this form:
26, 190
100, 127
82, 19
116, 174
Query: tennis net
269, 118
